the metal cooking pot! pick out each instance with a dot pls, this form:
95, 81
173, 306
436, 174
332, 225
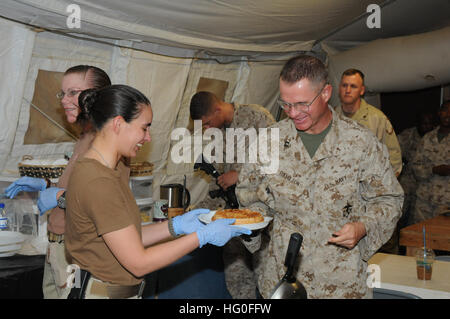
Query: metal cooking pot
175, 195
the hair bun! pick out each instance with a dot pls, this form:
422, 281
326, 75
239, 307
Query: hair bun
87, 99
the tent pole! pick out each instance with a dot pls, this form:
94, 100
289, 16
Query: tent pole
51, 120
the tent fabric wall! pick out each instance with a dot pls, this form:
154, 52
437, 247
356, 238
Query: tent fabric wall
15, 53
162, 80
263, 81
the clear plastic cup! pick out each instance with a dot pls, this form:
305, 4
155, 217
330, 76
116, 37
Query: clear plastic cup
424, 263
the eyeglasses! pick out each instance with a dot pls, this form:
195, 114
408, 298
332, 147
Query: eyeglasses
298, 106
60, 95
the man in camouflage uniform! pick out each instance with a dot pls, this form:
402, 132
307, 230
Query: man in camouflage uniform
409, 139
351, 90
334, 185
216, 113
431, 167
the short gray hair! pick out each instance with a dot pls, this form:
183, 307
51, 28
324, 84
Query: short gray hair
304, 67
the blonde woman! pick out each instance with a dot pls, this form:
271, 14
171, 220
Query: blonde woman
75, 80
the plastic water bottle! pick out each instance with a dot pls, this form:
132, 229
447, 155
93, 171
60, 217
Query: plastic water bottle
7, 219
4, 225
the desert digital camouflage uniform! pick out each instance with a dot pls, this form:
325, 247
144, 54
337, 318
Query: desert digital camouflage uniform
245, 116
433, 191
379, 124
409, 139
237, 260
349, 179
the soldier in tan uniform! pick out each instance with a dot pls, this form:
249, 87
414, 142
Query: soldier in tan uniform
216, 113
334, 185
409, 139
431, 166
351, 90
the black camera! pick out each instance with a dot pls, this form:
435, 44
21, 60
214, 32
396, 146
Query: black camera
228, 195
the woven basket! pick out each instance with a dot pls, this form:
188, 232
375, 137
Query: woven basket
40, 171
141, 169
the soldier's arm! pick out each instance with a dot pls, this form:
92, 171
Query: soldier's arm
391, 142
349, 235
251, 193
247, 195
382, 198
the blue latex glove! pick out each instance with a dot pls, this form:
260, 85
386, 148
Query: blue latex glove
47, 199
188, 222
26, 184
220, 231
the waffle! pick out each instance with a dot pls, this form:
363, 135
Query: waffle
242, 216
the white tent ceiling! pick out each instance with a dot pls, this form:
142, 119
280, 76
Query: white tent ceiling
232, 26
398, 18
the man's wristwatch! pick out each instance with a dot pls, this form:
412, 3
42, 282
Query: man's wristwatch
61, 202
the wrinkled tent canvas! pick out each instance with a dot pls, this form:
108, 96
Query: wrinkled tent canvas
167, 48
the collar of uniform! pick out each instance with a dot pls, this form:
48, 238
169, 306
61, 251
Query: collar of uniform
362, 112
433, 136
233, 123
328, 146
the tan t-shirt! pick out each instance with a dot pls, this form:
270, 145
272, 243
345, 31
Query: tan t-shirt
99, 201
56, 217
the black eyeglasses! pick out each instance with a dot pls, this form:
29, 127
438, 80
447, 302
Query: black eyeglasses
298, 106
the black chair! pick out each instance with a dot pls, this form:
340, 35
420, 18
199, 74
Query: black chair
381, 293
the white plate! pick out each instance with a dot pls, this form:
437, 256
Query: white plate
206, 218
8, 254
9, 248
11, 237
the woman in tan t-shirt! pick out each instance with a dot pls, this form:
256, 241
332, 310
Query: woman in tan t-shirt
104, 237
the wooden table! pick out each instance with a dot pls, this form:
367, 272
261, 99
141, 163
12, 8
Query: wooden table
399, 273
437, 233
